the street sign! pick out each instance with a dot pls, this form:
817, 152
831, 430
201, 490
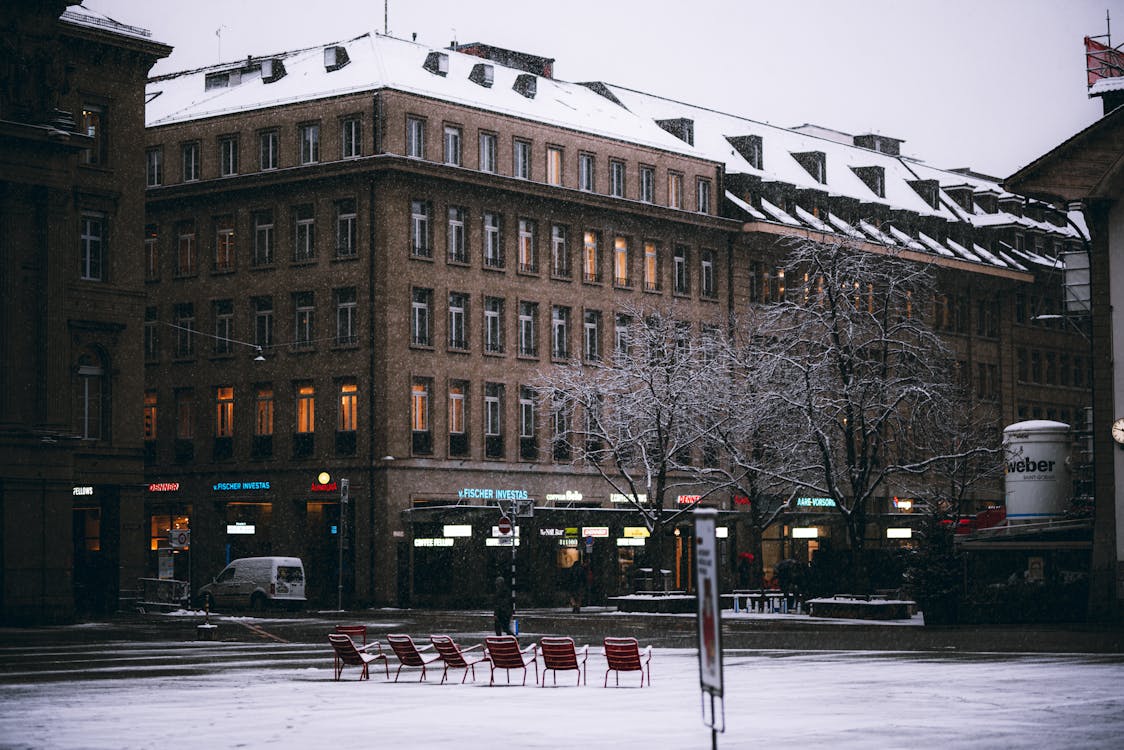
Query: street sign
589, 544
504, 525
709, 616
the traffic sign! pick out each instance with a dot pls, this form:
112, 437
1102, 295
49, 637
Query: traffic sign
504, 525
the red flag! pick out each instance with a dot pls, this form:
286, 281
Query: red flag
1102, 61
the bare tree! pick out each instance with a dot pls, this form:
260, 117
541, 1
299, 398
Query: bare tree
849, 380
639, 416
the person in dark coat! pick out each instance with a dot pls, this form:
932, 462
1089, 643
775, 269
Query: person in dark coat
503, 609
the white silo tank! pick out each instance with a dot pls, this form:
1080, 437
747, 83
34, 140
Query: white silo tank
1038, 483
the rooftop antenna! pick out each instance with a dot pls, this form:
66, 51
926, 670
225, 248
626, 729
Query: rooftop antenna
218, 33
386, 17
1107, 36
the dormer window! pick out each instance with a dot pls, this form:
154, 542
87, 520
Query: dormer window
437, 63
815, 162
962, 194
482, 74
335, 58
272, 70
927, 189
222, 80
526, 84
682, 128
874, 178
750, 147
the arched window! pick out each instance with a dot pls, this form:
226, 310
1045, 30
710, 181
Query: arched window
91, 405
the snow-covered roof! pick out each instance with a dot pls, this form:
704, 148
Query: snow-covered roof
80, 15
375, 62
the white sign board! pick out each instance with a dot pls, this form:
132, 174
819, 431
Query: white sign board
707, 594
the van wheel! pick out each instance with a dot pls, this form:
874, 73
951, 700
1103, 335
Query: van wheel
257, 603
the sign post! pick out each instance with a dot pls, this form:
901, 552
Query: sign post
709, 621
344, 496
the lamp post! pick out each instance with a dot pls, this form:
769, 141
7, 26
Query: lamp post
344, 483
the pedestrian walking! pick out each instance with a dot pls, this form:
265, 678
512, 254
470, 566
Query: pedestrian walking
503, 609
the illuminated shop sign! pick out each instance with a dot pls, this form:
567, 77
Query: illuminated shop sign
805, 532
239, 486
433, 542
902, 503
83, 491
164, 487
567, 542
722, 532
634, 532
487, 493
688, 499
899, 533
616, 497
569, 496
629, 542
502, 542
815, 502
595, 531
328, 487
240, 528
741, 500
552, 532
457, 530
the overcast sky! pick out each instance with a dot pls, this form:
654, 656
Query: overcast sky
986, 84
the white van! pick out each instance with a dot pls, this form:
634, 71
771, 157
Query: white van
256, 582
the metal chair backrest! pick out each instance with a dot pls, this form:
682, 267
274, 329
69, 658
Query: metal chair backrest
623, 654
504, 652
345, 649
405, 650
449, 651
558, 653
353, 631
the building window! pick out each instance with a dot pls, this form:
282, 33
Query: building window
647, 184
493, 420
419, 417
415, 137
185, 329
304, 318
150, 415
560, 332
591, 256
263, 322
528, 262
151, 253
521, 166
310, 143
592, 336
224, 243
458, 440
151, 335
306, 408
349, 407
92, 249
452, 145
702, 191
92, 397
263, 237
458, 320
268, 145
154, 166
263, 411
185, 415
528, 325
651, 266
419, 229
562, 422
458, 253
190, 153
554, 165
682, 270
346, 245
616, 178
347, 326
493, 247
185, 250
674, 190
620, 261
487, 152
304, 233
585, 172
93, 125
559, 251
620, 335
421, 302
706, 274
224, 326
528, 449
493, 325
224, 412
228, 156
351, 138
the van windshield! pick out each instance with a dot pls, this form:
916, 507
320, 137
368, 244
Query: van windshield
290, 574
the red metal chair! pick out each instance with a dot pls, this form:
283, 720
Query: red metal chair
348, 654
408, 654
623, 655
504, 653
560, 654
453, 656
358, 634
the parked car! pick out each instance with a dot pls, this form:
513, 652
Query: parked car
256, 583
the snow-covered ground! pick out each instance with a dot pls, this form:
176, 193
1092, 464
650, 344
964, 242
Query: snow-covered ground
220, 696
